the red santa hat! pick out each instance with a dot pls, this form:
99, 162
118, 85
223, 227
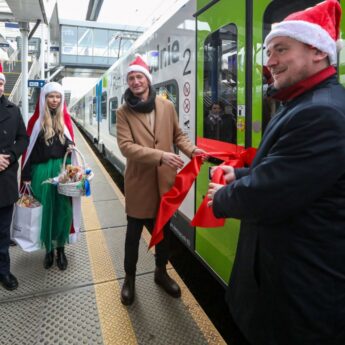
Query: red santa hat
317, 26
139, 65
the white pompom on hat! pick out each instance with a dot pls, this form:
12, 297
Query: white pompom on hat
2, 77
317, 26
139, 65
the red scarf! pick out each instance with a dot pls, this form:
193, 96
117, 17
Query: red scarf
302, 86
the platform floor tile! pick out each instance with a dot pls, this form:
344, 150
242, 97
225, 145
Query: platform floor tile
67, 318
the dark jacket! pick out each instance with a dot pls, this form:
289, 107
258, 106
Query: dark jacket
42, 152
13, 141
288, 281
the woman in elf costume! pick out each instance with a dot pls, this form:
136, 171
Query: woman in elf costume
51, 133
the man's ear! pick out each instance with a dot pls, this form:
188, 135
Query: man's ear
319, 55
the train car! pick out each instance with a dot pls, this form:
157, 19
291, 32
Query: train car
206, 52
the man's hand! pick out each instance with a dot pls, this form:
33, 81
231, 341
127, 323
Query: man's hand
198, 152
212, 189
172, 160
4, 162
229, 175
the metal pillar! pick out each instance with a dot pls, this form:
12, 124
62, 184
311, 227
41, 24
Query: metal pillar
48, 53
24, 29
43, 46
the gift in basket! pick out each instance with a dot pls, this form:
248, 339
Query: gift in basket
27, 219
74, 180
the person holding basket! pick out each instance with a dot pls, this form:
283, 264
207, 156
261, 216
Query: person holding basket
51, 136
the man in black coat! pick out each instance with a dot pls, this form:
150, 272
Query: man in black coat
287, 286
13, 142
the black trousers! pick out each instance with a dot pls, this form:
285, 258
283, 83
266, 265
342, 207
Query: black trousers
133, 234
5, 237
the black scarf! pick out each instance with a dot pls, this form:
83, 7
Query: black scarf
137, 104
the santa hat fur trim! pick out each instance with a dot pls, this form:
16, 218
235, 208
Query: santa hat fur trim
49, 88
139, 65
317, 26
2, 77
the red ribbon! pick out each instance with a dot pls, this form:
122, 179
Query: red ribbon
234, 155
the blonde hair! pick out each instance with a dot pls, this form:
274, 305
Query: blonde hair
53, 124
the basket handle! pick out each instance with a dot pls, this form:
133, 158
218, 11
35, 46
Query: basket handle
70, 151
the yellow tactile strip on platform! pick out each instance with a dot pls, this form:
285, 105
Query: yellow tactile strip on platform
115, 323
199, 316
111, 300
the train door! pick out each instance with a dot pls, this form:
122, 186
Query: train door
221, 109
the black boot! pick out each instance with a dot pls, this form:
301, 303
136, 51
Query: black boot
9, 281
61, 259
168, 284
48, 260
127, 291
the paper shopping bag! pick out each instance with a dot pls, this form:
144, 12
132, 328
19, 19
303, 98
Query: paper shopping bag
26, 226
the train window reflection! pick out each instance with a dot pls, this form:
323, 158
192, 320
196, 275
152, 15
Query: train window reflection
104, 105
113, 105
168, 90
92, 111
220, 84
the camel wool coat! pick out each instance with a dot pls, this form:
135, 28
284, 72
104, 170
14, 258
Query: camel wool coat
146, 179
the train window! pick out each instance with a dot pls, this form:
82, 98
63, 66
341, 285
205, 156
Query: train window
113, 105
220, 84
104, 105
168, 90
276, 11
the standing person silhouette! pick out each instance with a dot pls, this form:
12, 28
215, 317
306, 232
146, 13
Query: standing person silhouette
287, 286
147, 129
13, 142
51, 134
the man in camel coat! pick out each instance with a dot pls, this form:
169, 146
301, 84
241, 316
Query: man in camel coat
147, 129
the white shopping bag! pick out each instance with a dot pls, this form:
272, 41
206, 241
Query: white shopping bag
26, 226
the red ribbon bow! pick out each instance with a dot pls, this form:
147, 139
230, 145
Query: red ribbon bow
234, 155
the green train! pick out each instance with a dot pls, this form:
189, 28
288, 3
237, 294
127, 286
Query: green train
203, 52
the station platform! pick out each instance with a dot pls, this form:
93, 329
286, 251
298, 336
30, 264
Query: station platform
82, 304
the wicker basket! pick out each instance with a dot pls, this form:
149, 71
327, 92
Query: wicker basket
73, 189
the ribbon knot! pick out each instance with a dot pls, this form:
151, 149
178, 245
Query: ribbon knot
234, 155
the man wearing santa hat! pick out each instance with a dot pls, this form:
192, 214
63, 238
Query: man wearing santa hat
13, 142
147, 129
287, 286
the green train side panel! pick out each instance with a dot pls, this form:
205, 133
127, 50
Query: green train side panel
202, 3
259, 8
342, 52
217, 246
